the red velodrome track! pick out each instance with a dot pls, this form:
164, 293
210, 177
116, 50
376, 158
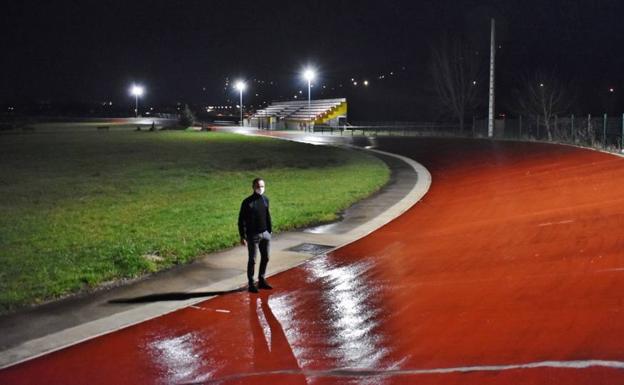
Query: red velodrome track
509, 271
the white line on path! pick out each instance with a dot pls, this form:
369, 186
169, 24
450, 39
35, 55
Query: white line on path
209, 309
365, 372
556, 223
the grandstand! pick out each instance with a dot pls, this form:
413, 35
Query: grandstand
298, 115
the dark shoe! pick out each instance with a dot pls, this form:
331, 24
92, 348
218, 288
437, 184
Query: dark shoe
252, 288
262, 284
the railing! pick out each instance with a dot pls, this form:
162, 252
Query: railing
603, 131
395, 129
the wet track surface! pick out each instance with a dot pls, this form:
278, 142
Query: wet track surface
509, 271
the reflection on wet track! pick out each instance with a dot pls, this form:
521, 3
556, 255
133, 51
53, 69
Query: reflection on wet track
510, 270
176, 356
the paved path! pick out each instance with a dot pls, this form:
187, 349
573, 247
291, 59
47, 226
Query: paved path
509, 271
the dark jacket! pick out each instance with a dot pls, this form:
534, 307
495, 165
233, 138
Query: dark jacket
250, 213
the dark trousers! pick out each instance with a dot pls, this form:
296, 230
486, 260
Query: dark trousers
260, 241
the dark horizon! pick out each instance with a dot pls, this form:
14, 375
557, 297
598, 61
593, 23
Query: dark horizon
184, 52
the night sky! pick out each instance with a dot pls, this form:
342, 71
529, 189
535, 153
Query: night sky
183, 51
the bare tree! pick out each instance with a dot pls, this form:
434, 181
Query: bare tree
543, 95
456, 70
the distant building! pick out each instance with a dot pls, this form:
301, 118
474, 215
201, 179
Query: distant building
298, 115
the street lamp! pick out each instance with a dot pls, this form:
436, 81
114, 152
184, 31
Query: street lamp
309, 75
240, 86
136, 91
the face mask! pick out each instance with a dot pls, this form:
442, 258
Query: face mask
259, 190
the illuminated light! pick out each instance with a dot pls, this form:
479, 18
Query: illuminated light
240, 85
136, 90
300, 92
366, 82
295, 96
391, 73
355, 83
541, 84
611, 89
474, 82
309, 74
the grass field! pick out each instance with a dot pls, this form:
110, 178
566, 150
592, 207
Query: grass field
78, 209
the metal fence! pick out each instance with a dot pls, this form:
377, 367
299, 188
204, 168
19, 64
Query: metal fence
395, 129
603, 132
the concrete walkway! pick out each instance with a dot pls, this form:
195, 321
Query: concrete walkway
43, 329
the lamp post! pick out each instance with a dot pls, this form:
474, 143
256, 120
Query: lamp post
136, 91
309, 75
240, 86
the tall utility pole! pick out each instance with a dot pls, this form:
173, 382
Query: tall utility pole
309, 109
240, 86
309, 75
241, 107
492, 64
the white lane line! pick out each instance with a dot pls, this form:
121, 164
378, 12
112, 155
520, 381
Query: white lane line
555, 223
209, 309
364, 372
584, 364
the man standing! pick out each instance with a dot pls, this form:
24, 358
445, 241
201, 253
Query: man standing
254, 227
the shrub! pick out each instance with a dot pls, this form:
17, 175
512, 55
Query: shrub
187, 118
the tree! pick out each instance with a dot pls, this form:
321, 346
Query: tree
187, 118
543, 95
456, 70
